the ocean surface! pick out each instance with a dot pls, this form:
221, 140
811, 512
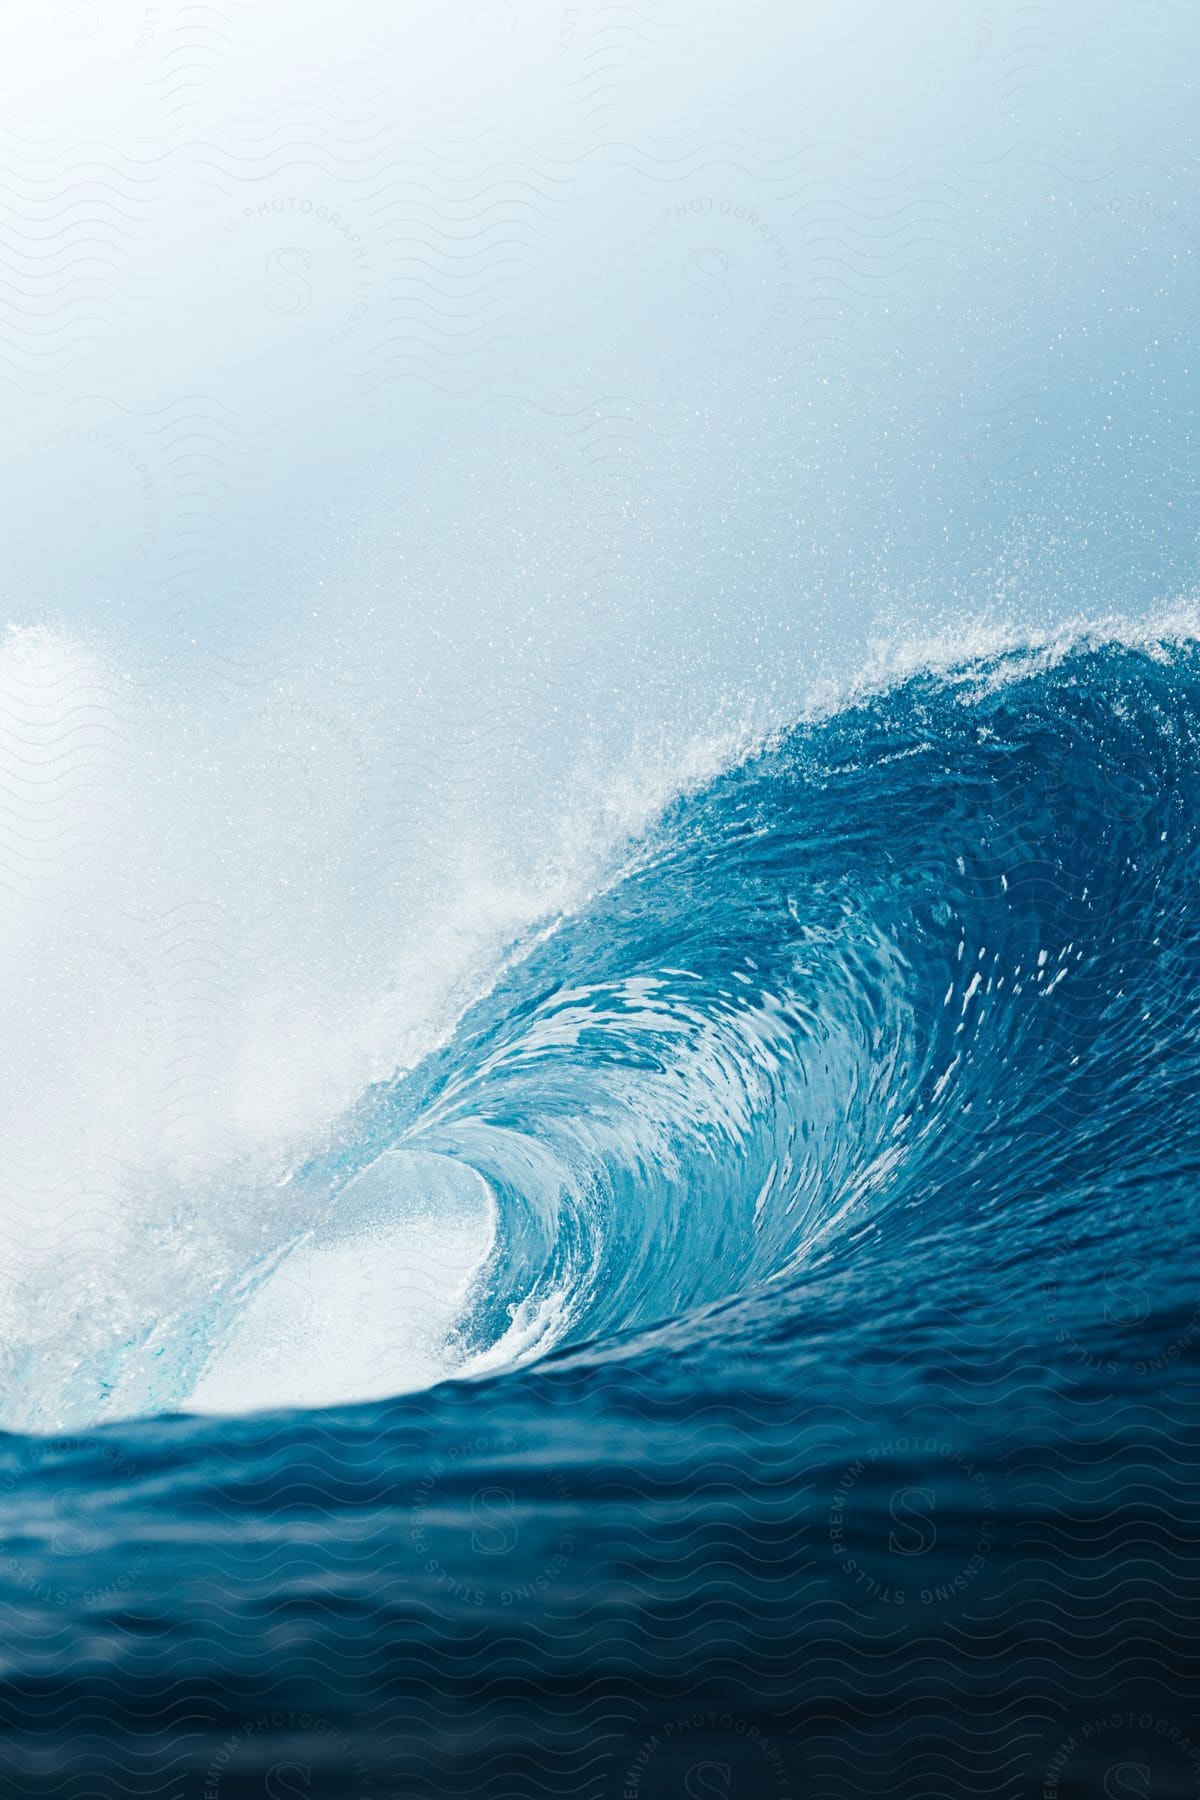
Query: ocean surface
751, 1352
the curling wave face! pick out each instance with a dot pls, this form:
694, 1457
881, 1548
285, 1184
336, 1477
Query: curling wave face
927, 961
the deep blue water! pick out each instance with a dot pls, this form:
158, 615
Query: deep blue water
844, 1154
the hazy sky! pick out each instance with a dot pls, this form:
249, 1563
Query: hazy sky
594, 321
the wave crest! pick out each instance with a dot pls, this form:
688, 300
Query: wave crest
904, 954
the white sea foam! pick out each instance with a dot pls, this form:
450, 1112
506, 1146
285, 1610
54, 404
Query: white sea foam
367, 1304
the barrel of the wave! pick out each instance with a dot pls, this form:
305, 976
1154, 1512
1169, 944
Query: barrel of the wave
366, 1304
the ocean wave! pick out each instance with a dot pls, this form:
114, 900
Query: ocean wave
916, 957
789, 1255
